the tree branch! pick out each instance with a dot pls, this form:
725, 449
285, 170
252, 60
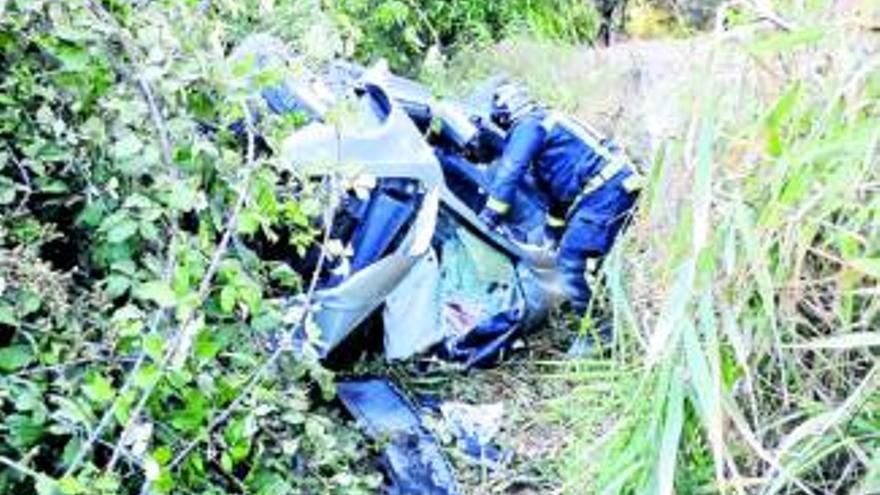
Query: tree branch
257, 376
183, 341
165, 146
21, 468
25, 176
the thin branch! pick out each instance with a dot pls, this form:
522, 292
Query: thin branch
21, 468
159, 124
162, 133
767, 13
128, 46
61, 368
184, 338
257, 376
126, 454
25, 176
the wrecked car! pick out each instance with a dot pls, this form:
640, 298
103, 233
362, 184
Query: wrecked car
419, 257
418, 263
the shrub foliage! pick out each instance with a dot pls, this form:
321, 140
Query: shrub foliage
405, 32
135, 318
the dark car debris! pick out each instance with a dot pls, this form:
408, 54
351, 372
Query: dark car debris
427, 252
411, 456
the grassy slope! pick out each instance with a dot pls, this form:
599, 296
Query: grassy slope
746, 292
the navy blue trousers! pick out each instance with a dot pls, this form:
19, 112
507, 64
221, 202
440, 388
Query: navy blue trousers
592, 227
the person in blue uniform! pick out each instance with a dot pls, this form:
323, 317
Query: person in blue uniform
590, 184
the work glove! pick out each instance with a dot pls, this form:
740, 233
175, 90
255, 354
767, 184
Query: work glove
491, 218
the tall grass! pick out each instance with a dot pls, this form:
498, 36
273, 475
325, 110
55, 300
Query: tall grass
746, 295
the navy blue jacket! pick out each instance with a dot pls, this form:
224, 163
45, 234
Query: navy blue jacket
560, 161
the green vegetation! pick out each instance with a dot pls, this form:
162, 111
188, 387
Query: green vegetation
746, 294
134, 317
406, 32
137, 315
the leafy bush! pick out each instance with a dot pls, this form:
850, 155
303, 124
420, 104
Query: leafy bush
406, 31
135, 320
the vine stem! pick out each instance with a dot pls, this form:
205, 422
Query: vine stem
21, 468
183, 340
165, 146
25, 176
257, 376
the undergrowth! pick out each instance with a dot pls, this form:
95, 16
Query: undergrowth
137, 319
413, 34
746, 359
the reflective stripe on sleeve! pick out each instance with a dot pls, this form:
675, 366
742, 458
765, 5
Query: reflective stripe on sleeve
555, 222
497, 205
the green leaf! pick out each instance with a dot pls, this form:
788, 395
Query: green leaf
158, 292
127, 147
226, 462
15, 357
8, 191
251, 295
52, 186
284, 275
107, 483
23, 431
778, 116
46, 486
71, 486
123, 406
74, 58
116, 285
206, 346
228, 296
92, 214
163, 455
30, 303
266, 321
185, 196
128, 320
669, 443
146, 376
248, 222
98, 388
71, 449
7, 314
122, 230
193, 415
71, 412
149, 231
154, 346
126, 267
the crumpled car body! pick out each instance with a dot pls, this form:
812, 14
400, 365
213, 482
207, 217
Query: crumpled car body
419, 255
